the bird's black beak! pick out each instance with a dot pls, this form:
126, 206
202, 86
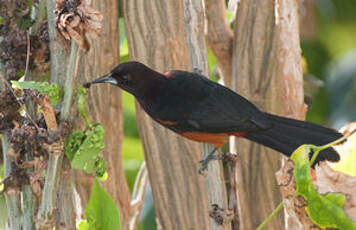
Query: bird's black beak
108, 78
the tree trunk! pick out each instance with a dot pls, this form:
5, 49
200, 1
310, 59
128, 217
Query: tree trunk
267, 71
220, 37
156, 36
104, 104
215, 184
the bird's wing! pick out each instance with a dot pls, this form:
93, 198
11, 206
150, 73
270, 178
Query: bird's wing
192, 102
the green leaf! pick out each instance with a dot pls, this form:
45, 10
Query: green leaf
2, 21
324, 210
86, 156
101, 211
52, 89
73, 142
83, 225
82, 92
100, 166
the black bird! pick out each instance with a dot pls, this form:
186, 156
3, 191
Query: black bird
202, 110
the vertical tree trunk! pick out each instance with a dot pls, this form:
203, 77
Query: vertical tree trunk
194, 23
267, 71
220, 37
156, 37
59, 63
104, 104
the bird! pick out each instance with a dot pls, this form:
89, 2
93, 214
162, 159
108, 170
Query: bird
202, 110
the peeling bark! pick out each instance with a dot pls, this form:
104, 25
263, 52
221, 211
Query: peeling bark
267, 71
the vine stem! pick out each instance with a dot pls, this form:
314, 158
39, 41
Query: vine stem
320, 148
269, 218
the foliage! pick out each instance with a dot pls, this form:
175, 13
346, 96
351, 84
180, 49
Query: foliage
52, 89
324, 210
101, 211
83, 146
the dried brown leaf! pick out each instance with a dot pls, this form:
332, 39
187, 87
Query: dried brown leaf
77, 21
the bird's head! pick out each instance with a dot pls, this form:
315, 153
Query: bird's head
132, 77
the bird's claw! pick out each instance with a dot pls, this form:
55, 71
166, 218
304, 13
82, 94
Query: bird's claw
197, 70
205, 161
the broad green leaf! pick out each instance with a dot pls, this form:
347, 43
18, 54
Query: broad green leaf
324, 210
52, 89
86, 156
101, 211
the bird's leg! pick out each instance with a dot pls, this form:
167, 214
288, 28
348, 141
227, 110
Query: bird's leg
197, 70
205, 161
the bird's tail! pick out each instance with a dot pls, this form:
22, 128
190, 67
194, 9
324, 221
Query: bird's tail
286, 135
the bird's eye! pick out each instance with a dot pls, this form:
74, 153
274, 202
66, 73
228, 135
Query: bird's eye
125, 78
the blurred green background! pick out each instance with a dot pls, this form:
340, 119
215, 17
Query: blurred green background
329, 53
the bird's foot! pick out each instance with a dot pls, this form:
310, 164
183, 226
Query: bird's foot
197, 70
205, 161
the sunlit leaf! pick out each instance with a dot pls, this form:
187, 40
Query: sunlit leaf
324, 210
101, 211
83, 225
52, 89
86, 156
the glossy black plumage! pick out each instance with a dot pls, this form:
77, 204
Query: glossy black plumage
202, 110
